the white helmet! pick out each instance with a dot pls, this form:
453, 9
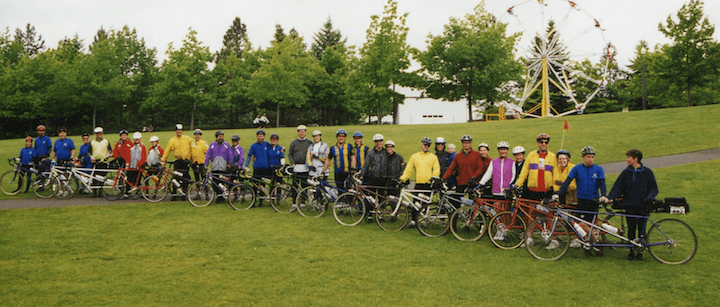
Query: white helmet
178, 126
137, 135
378, 137
389, 143
440, 140
484, 145
503, 144
154, 138
518, 149
98, 130
301, 127
316, 132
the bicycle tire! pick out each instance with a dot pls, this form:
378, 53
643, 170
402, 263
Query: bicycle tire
681, 242
507, 231
390, 219
241, 196
545, 242
43, 187
435, 221
112, 188
65, 188
200, 194
154, 188
12, 182
349, 209
465, 229
282, 199
309, 203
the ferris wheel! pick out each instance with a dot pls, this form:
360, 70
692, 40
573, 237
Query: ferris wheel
565, 51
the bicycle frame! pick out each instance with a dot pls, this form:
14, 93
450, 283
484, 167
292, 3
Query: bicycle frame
569, 218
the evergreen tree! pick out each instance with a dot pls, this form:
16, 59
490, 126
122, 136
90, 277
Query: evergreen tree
235, 41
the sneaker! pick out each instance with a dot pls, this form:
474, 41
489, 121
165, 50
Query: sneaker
499, 236
639, 256
631, 256
529, 242
575, 243
553, 244
412, 224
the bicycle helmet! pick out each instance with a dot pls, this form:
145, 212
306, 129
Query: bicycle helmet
440, 140
484, 145
235, 138
563, 152
502, 144
259, 132
219, 132
518, 149
389, 143
121, 132
587, 150
542, 136
197, 131
301, 127
378, 137
466, 138
138, 135
178, 126
316, 132
41, 128
98, 130
425, 140
357, 134
274, 136
29, 138
154, 138
341, 131
63, 129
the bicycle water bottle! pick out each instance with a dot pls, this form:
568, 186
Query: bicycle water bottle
542, 208
610, 228
222, 186
466, 201
177, 173
370, 199
175, 182
223, 177
579, 229
490, 210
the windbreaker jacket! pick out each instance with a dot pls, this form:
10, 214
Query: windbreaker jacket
424, 164
530, 172
180, 146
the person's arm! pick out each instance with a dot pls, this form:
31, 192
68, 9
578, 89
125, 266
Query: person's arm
408, 169
251, 153
488, 174
208, 153
523, 174
167, 152
566, 183
652, 185
436, 167
143, 156
291, 150
450, 170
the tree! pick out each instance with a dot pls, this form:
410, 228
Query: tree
235, 41
690, 62
326, 38
471, 59
279, 33
383, 64
32, 42
182, 81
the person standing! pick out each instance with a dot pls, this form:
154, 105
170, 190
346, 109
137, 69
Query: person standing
485, 159
501, 170
538, 171
375, 166
466, 164
64, 149
519, 155
179, 145
297, 153
155, 152
341, 153
218, 156
138, 157
43, 146
360, 151
238, 153
424, 164
85, 151
561, 173
258, 154
276, 153
197, 153
637, 187
444, 157
264, 121
27, 155
100, 149
395, 166
317, 155
121, 151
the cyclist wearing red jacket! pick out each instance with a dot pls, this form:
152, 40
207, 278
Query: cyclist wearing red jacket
121, 151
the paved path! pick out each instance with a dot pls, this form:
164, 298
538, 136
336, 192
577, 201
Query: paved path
610, 168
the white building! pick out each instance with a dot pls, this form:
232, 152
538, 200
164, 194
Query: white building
417, 110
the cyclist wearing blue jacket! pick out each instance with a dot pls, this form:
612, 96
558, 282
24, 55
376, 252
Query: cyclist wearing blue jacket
43, 145
85, 150
342, 154
258, 154
64, 148
589, 178
27, 155
276, 153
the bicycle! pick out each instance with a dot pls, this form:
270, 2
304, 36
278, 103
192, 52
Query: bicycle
469, 222
393, 213
13, 181
434, 221
669, 241
312, 201
162, 181
203, 193
351, 208
76, 178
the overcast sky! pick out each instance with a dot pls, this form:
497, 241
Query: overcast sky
626, 22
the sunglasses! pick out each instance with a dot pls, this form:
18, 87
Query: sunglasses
544, 142
425, 144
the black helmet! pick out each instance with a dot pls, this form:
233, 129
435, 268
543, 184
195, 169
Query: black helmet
425, 140
563, 152
235, 137
121, 132
587, 150
85, 134
259, 132
274, 136
219, 132
466, 138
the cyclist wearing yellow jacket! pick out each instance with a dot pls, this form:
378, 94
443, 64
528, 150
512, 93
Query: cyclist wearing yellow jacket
197, 152
424, 164
538, 171
561, 173
180, 145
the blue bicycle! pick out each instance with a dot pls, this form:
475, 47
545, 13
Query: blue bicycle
313, 200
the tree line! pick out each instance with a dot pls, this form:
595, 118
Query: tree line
116, 81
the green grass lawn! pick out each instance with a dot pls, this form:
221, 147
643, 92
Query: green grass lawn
175, 254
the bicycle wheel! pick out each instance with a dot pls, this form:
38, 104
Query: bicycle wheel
311, 202
349, 209
507, 231
392, 215
671, 241
434, 221
113, 188
466, 227
200, 194
547, 239
282, 199
242, 196
65, 188
154, 188
12, 182
43, 187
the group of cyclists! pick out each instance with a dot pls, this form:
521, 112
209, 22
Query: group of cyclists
541, 174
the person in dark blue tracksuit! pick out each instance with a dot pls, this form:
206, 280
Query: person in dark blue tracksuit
27, 155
